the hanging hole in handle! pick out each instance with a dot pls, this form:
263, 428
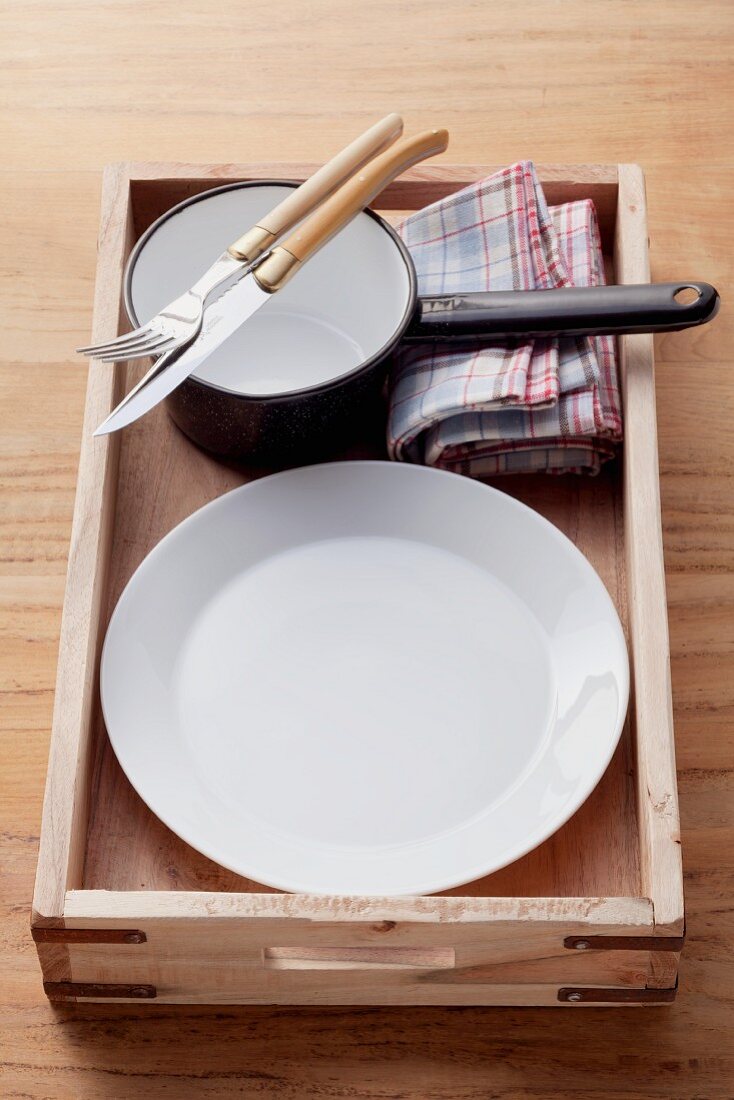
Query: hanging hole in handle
687, 295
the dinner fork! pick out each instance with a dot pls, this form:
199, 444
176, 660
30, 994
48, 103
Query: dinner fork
176, 326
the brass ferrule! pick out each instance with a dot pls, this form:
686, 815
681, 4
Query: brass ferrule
252, 244
276, 269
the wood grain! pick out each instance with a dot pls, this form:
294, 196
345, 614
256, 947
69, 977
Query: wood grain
83, 84
66, 802
283, 948
657, 795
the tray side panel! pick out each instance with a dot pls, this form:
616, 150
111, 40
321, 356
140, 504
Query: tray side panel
270, 949
157, 187
63, 830
657, 794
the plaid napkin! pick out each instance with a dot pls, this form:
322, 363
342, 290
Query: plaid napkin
491, 408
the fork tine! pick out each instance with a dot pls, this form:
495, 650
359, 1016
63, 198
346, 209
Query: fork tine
113, 345
143, 352
137, 346
120, 341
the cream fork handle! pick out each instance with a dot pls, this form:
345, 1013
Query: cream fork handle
338, 210
314, 190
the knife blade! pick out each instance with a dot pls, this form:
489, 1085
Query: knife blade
221, 319
234, 308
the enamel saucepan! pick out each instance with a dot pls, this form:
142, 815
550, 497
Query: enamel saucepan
302, 376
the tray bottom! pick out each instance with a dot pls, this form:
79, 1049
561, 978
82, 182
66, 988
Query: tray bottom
594, 855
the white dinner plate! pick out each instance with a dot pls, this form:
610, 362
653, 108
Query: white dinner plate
364, 678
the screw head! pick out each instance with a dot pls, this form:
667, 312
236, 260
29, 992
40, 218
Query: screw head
582, 945
574, 997
133, 937
140, 991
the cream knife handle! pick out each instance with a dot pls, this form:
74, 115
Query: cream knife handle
315, 189
275, 270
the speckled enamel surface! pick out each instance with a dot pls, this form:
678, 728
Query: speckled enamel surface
311, 424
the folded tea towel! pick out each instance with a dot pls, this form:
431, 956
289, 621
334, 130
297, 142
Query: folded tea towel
490, 408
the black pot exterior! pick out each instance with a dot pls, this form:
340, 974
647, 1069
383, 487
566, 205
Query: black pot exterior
292, 428
279, 431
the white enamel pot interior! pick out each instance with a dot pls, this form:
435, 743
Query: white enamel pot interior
343, 312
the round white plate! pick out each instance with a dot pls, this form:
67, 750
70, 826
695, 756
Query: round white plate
364, 678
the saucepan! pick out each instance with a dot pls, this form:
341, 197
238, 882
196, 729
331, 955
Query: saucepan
307, 372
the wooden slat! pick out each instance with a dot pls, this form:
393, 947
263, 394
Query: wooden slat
427, 915
63, 828
657, 795
506, 941
156, 187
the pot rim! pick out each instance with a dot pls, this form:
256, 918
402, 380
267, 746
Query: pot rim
291, 395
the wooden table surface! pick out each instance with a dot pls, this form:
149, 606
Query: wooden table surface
92, 81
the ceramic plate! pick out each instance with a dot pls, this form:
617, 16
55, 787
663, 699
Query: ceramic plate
364, 678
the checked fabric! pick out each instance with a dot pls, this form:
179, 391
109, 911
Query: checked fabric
550, 405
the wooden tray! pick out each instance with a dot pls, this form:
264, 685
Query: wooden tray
123, 909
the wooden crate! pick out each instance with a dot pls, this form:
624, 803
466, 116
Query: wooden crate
123, 909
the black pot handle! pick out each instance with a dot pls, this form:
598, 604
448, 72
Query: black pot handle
570, 311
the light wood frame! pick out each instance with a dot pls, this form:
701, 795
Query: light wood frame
251, 947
